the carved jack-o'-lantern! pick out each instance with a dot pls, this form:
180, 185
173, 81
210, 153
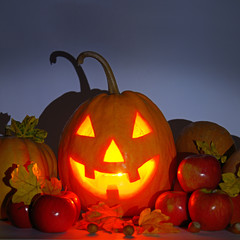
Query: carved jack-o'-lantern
117, 148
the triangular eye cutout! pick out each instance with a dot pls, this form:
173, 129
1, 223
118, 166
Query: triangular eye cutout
86, 128
141, 127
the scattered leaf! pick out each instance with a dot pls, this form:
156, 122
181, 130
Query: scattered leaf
97, 212
210, 149
27, 182
154, 222
111, 224
231, 183
106, 218
53, 187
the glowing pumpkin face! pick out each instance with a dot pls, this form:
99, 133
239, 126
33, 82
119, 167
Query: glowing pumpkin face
117, 148
119, 183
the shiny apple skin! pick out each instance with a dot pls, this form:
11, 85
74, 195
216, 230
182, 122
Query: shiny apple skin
199, 171
174, 204
211, 208
53, 213
17, 214
71, 195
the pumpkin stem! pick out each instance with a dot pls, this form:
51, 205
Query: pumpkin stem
84, 86
112, 84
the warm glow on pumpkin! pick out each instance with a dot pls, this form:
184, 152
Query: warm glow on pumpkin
113, 153
141, 127
117, 148
86, 128
103, 183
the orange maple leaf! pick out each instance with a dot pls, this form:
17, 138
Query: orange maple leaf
106, 218
155, 221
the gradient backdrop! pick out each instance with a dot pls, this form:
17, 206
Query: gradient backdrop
182, 54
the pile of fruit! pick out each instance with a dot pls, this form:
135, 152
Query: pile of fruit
205, 195
206, 192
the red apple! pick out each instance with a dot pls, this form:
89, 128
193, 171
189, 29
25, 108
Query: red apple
75, 199
18, 214
199, 171
236, 209
53, 213
211, 208
174, 204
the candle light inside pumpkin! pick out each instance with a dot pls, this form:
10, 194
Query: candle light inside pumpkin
102, 181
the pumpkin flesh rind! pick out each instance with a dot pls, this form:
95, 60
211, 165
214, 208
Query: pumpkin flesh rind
113, 117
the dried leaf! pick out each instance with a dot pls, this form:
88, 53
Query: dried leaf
155, 221
27, 129
102, 210
112, 224
53, 187
105, 217
230, 184
210, 149
27, 182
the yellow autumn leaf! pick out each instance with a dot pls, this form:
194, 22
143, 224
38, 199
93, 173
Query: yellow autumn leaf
153, 222
210, 149
53, 187
147, 216
26, 183
228, 178
230, 184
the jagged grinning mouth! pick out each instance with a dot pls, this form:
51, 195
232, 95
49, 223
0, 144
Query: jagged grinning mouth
105, 183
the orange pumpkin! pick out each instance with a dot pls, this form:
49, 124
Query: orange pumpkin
15, 150
208, 132
233, 163
117, 148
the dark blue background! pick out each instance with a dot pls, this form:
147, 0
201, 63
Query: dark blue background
183, 54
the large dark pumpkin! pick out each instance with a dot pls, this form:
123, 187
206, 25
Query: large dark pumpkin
117, 148
205, 131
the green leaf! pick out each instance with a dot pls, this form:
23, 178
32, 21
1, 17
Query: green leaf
27, 129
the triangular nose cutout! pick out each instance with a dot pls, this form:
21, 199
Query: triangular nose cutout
113, 153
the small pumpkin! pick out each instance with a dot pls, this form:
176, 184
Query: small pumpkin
18, 147
233, 163
117, 148
208, 132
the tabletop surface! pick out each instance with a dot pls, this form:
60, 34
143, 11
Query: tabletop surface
8, 231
